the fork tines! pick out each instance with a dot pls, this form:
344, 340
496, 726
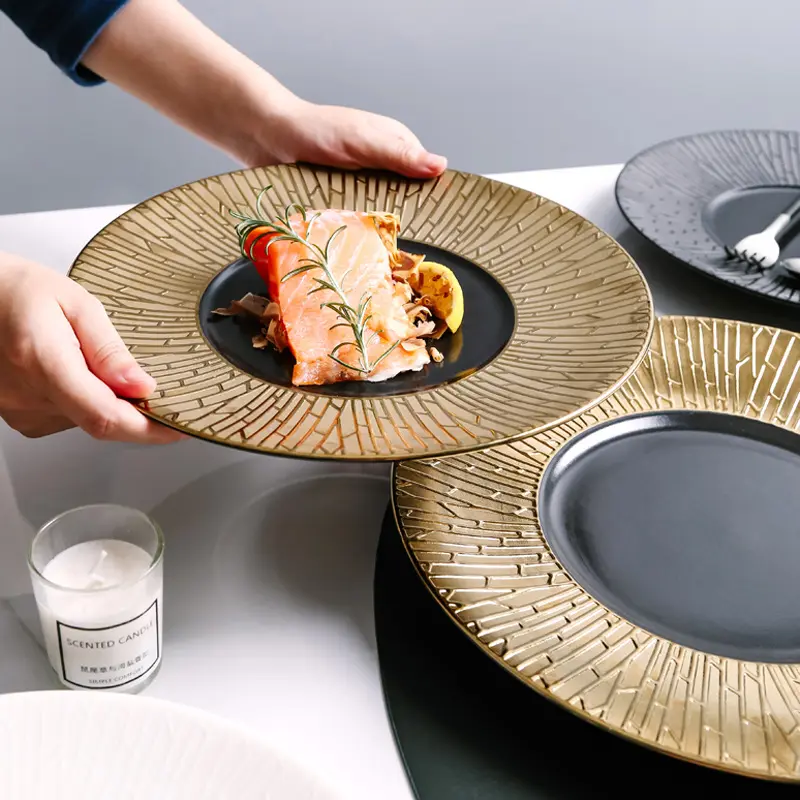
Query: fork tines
743, 256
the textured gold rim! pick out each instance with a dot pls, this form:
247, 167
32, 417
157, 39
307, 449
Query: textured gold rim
584, 314
470, 525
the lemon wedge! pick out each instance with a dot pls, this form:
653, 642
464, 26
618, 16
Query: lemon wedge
441, 292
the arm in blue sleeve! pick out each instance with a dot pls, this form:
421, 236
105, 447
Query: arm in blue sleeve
64, 29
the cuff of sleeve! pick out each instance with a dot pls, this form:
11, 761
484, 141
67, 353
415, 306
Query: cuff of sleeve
79, 35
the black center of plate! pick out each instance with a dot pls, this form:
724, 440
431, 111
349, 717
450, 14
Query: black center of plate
488, 326
733, 215
686, 524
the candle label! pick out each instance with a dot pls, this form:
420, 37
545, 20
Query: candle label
106, 658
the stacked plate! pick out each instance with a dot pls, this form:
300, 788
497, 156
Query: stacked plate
602, 502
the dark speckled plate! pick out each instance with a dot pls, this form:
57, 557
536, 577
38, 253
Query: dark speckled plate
694, 195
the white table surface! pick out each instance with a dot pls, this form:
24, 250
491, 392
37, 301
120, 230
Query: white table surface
269, 562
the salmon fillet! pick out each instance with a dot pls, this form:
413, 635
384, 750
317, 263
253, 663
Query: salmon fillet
361, 259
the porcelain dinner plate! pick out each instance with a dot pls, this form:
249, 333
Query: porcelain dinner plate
556, 316
640, 564
88, 746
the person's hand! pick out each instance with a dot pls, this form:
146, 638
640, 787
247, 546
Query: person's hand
161, 53
343, 137
63, 365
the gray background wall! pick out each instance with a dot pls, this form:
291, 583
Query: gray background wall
494, 84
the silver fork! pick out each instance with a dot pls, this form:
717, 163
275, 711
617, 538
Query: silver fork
762, 249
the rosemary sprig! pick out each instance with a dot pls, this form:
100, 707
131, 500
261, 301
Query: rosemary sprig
318, 261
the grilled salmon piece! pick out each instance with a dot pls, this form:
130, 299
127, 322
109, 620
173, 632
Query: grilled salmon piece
360, 258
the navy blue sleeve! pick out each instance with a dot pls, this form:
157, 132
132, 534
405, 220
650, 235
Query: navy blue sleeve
64, 29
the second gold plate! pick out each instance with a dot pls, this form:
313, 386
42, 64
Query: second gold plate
663, 611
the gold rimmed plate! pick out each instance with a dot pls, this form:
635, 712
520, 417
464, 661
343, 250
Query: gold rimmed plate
556, 316
639, 564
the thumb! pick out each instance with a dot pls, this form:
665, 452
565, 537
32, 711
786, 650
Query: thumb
105, 353
411, 159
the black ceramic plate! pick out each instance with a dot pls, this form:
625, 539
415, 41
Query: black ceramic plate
686, 523
467, 730
694, 195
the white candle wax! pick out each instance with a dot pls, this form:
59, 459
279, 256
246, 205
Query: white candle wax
101, 614
98, 564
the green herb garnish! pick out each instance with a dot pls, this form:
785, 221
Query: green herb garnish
354, 318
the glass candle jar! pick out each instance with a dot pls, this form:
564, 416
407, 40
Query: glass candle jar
97, 574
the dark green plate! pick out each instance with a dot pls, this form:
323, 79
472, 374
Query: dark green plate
468, 730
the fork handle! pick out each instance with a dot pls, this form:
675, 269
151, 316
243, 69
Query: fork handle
782, 221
